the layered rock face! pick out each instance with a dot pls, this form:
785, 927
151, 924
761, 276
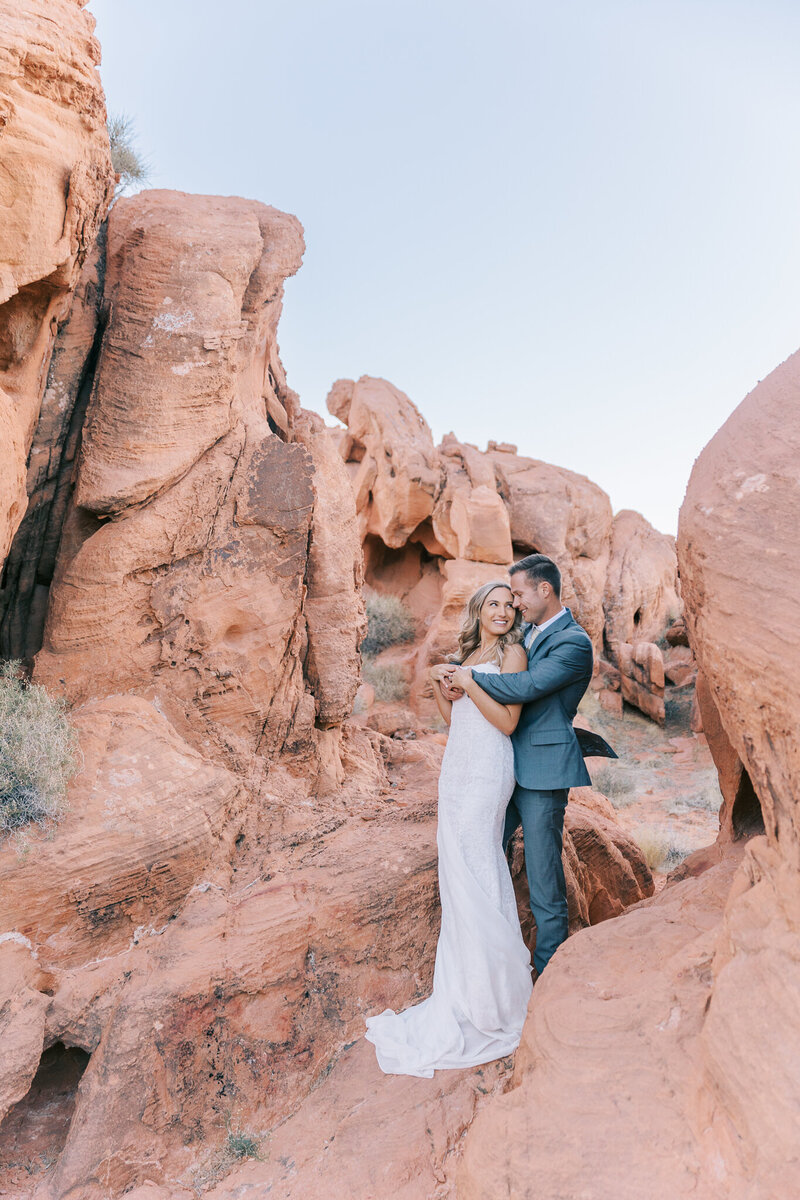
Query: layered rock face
438, 521
185, 548
242, 872
660, 1056
56, 187
207, 638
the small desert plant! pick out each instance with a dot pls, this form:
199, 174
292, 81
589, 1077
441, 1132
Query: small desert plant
387, 679
708, 800
677, 709
612, 782
389, 622
663, 850
238, 1145
38, 752
242, 1145
133, 170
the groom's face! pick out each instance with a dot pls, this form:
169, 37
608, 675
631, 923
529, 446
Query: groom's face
532, 599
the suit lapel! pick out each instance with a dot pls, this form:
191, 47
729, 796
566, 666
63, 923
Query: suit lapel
556, 627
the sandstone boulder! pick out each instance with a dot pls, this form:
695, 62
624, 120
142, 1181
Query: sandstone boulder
51, 464
641, 669
738, 574
398, 477
22, 1018
641, 595
184, 552
480, 523
737, 550
564, 515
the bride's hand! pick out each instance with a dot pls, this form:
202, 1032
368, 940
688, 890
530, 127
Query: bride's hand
460, 678
440, 674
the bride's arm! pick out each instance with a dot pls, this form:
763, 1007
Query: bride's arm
503, 716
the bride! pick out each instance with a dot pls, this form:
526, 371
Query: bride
482, 973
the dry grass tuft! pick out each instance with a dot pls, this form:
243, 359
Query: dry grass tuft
663, 849
387, 679
133, 170
38, 752
614, 783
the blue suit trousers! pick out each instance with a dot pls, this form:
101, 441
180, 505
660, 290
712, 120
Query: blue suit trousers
542, 816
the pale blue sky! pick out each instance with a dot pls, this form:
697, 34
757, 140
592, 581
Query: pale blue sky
574, 226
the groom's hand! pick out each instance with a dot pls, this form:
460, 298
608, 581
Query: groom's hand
450, 690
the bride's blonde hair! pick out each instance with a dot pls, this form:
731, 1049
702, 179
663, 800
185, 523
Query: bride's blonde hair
470, 636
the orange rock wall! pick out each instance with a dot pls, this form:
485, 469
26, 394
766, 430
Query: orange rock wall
56, 186
661, 1053
472, 513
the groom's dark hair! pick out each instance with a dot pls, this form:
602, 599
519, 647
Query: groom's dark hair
538, 567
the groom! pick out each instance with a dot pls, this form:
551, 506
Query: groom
547, 757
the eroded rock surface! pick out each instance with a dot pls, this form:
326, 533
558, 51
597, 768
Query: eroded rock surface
55, 190
660, 1056
470, 514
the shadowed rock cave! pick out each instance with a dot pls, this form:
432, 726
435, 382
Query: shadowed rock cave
747, 818
33, 1133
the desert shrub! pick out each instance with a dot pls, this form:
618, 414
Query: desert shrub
238, 1145
663, 850
387, 679
678, 709
708, 800
38, 752
613, 782
389, 622
133, 170
242, 1145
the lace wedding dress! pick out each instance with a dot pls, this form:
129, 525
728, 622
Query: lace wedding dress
482, 973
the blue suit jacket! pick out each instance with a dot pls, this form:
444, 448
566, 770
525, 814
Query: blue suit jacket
546, 750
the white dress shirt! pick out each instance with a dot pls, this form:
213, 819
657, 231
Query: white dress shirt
534, 630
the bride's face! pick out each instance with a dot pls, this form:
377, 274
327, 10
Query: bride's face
497, 612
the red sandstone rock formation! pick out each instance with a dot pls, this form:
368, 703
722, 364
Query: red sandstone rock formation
641, 669
660, 1056
460, 516
242, 873
56, 187
641, 596
397, 475
193, 586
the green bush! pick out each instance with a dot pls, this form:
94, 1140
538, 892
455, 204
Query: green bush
242, 1145
38, 752
389, 622
388, 680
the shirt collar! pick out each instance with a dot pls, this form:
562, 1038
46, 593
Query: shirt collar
541, 628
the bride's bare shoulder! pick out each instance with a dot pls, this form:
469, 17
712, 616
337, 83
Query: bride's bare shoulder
515, 658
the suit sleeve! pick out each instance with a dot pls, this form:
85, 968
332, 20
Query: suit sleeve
568, 663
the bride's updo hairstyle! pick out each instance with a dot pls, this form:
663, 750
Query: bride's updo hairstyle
470, 636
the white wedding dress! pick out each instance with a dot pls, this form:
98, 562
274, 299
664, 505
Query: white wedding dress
482, 974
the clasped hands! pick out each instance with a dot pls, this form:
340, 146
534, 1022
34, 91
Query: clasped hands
452, 679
